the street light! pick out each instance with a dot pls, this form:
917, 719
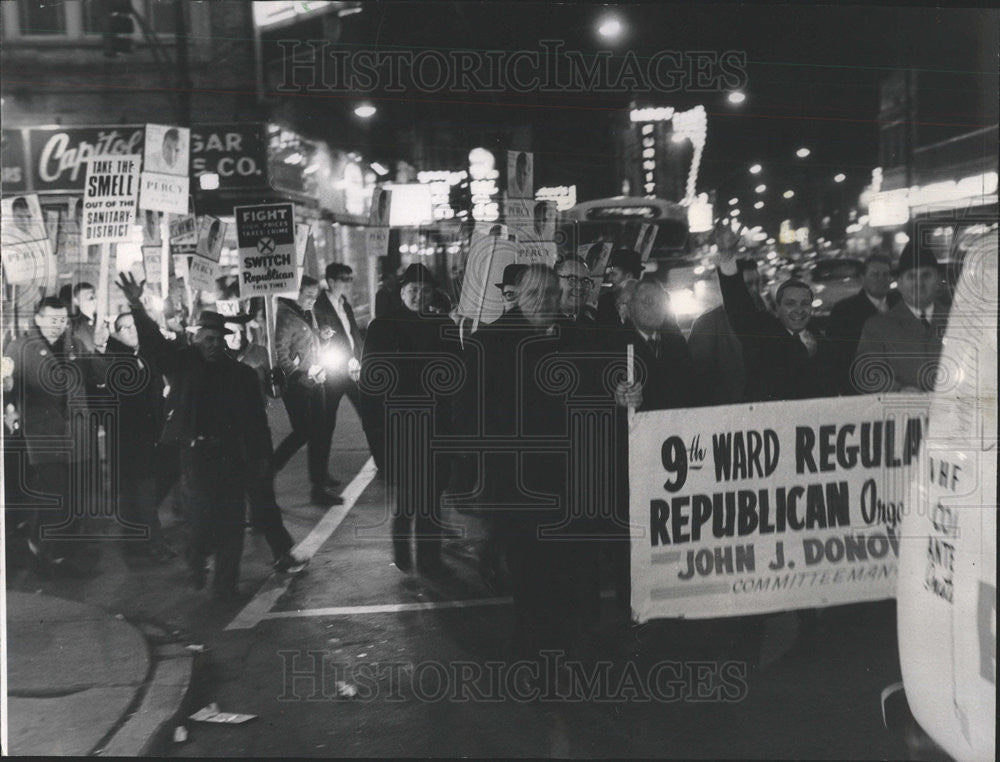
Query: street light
755, 169
365, 111
839, 177
737, 97
788, 193
610, 28
760, 188
803, 153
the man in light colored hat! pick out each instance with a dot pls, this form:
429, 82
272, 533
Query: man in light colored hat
899, 349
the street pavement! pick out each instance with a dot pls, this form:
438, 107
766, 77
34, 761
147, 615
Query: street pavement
425, 659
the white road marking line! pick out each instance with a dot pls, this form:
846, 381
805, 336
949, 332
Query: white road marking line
389, 608
395, 608
276, 586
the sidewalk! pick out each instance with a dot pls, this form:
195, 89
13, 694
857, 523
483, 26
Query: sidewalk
81, 680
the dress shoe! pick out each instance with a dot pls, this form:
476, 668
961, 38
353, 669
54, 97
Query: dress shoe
330, 482
323, 496
290, 564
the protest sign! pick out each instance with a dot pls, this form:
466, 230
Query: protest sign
947, 598
202, 273
27, 250
211, 234
266, 238
165, 181
645, 238
378, 224
480, 300
167, 150
151, 228
109, 200
164, 193
183, 229
538, 253
596, 256
749, 509
520, 174
152, 263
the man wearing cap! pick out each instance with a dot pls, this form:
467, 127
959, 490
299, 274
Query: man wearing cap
508, 286
787, 349
623, 265
297, 350
216, 419
899, 350
405, 357
849, 316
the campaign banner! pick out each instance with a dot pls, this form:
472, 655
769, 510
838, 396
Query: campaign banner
750, 509
109, 199
266, 237
27, 250
538, 253
520, 174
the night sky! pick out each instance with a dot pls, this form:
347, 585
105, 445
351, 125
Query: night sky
813, 79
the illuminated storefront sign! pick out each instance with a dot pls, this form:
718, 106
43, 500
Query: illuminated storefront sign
564, 196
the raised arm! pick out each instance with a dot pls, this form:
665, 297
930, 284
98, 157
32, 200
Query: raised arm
151, 341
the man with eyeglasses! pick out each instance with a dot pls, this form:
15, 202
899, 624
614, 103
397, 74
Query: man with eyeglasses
575, 287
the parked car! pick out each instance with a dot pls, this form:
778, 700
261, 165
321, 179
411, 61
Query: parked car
832, 280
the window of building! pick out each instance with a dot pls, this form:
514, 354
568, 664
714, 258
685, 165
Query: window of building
36, 19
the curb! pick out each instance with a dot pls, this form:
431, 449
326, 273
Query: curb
163, 696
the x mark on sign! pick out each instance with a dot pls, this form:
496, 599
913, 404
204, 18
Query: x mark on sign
266, 245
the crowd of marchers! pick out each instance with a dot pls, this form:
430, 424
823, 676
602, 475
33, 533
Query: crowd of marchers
509, 419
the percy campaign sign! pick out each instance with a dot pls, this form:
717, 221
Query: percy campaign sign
266, 237
795, 506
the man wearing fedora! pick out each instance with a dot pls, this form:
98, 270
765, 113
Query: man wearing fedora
216, 419
906, 340
508, 286
404, 366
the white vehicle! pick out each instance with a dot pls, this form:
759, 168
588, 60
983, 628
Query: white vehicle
946, 595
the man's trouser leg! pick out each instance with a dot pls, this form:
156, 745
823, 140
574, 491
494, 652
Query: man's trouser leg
52, 480
320, 434
296, 401
428, 526
265, 515
354, 395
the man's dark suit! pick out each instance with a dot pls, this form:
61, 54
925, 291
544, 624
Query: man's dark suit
843, 332
340, 383
787, 370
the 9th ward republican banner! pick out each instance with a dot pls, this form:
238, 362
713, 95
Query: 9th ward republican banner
748, 509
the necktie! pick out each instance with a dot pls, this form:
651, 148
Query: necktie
654, 345
809, 341
924, 320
